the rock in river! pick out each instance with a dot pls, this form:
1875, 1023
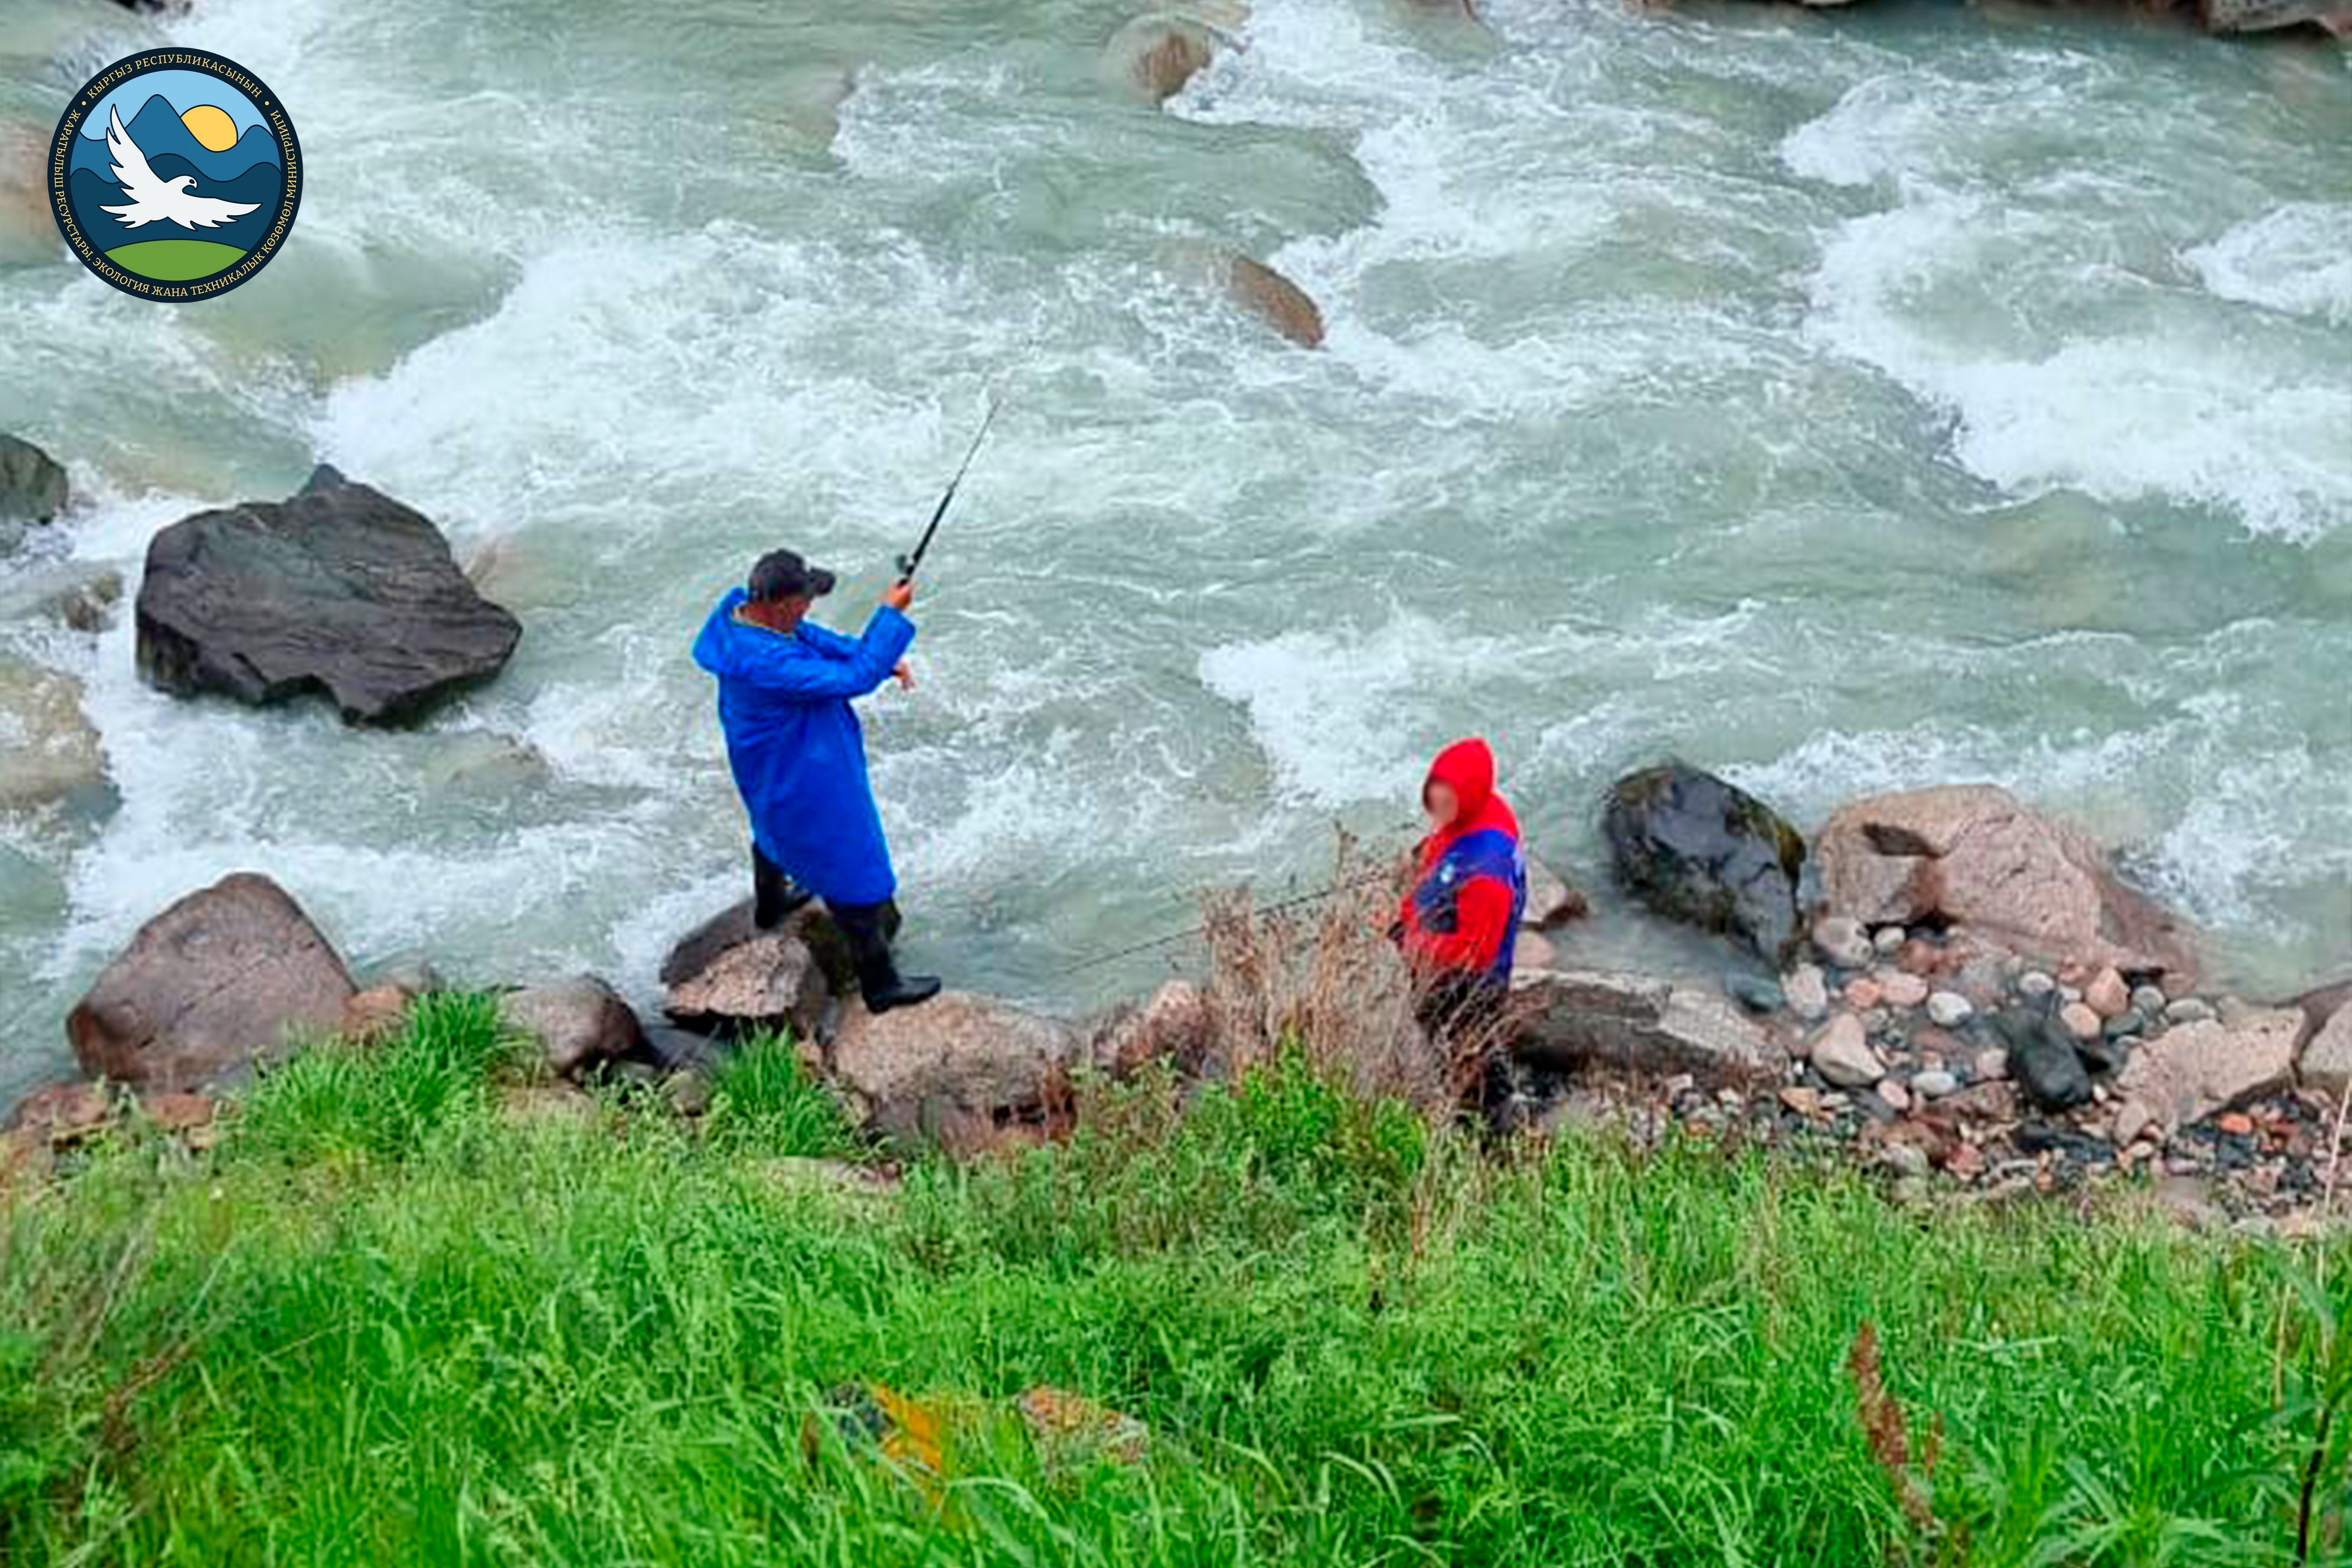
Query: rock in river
209, 988
49, 752
339, 589
32, 488
1696, 849
1972, 854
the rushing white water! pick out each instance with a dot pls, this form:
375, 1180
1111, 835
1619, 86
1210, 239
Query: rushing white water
1845, 403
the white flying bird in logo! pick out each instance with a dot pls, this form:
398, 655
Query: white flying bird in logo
160, 201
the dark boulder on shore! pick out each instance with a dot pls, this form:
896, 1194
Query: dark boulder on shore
210, 988
1694, 849
2044, 1057
339, 589
728, 977
32, 488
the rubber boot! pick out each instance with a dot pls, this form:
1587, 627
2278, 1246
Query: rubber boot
774, 894
877, 973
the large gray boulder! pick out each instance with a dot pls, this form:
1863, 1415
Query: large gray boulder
1572, 1019
1975, 857
1694, 849
212, 986
339, 590
32, 488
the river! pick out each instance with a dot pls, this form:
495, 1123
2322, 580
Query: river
1843, 402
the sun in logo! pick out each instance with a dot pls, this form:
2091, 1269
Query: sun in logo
176, 174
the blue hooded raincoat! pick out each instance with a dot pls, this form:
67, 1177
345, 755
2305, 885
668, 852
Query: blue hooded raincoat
797, 750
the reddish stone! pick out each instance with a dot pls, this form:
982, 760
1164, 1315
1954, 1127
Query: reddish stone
1965, 1160
179, 1112
64, 1112
2237, 1124
1862, 993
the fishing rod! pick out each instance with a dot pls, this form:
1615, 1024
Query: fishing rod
908, 563
1317, 896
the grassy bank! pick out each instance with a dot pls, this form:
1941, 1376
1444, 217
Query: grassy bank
387, 1322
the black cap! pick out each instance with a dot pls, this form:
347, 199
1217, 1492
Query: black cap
781, 574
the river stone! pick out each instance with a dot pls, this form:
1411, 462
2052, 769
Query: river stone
1900, 990
966, 1072
727, 976
2190, 1072
1570, 1018
74, 593
1695, 849
1935, 1083
1275, 300
1155, 56
1843, 941
339, 589
2042, 1057
50, 750
32, 488
1841, 1053
1972, 854
1949, 1009
2326, 1062
210, 988
579, 1021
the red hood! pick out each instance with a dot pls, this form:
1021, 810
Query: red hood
1469, 767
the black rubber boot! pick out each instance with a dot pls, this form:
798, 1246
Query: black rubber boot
877, 973
774, 894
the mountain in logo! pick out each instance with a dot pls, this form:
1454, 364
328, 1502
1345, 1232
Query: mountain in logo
158, 130
247, 172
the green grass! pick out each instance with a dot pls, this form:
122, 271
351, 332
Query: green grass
382, 1324
175, 260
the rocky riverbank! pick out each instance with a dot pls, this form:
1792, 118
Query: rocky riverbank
1960, 990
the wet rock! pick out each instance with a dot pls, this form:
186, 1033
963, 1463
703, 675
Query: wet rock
2326, 1062
1808, 991
32, 488
580, 1023
2199, 1069
1841, 1053
1275, 300
966, 1072
1155, 56
209, 988
1551, 899
1972, 854
72, 593
50, 750
2322, 1005
2043, 1059
1174, 1026
1949, 1009
2231, 16
1568, 1019
1695, 849
727, 976
339, 589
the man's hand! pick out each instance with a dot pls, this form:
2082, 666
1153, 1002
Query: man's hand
899, 596
905, 675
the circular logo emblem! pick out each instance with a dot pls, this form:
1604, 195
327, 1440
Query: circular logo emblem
175, 174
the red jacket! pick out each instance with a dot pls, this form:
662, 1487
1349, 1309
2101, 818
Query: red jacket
1484, 905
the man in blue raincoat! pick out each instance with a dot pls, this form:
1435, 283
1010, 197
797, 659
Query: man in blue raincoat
785, 685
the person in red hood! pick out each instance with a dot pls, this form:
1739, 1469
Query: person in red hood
1470, 887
